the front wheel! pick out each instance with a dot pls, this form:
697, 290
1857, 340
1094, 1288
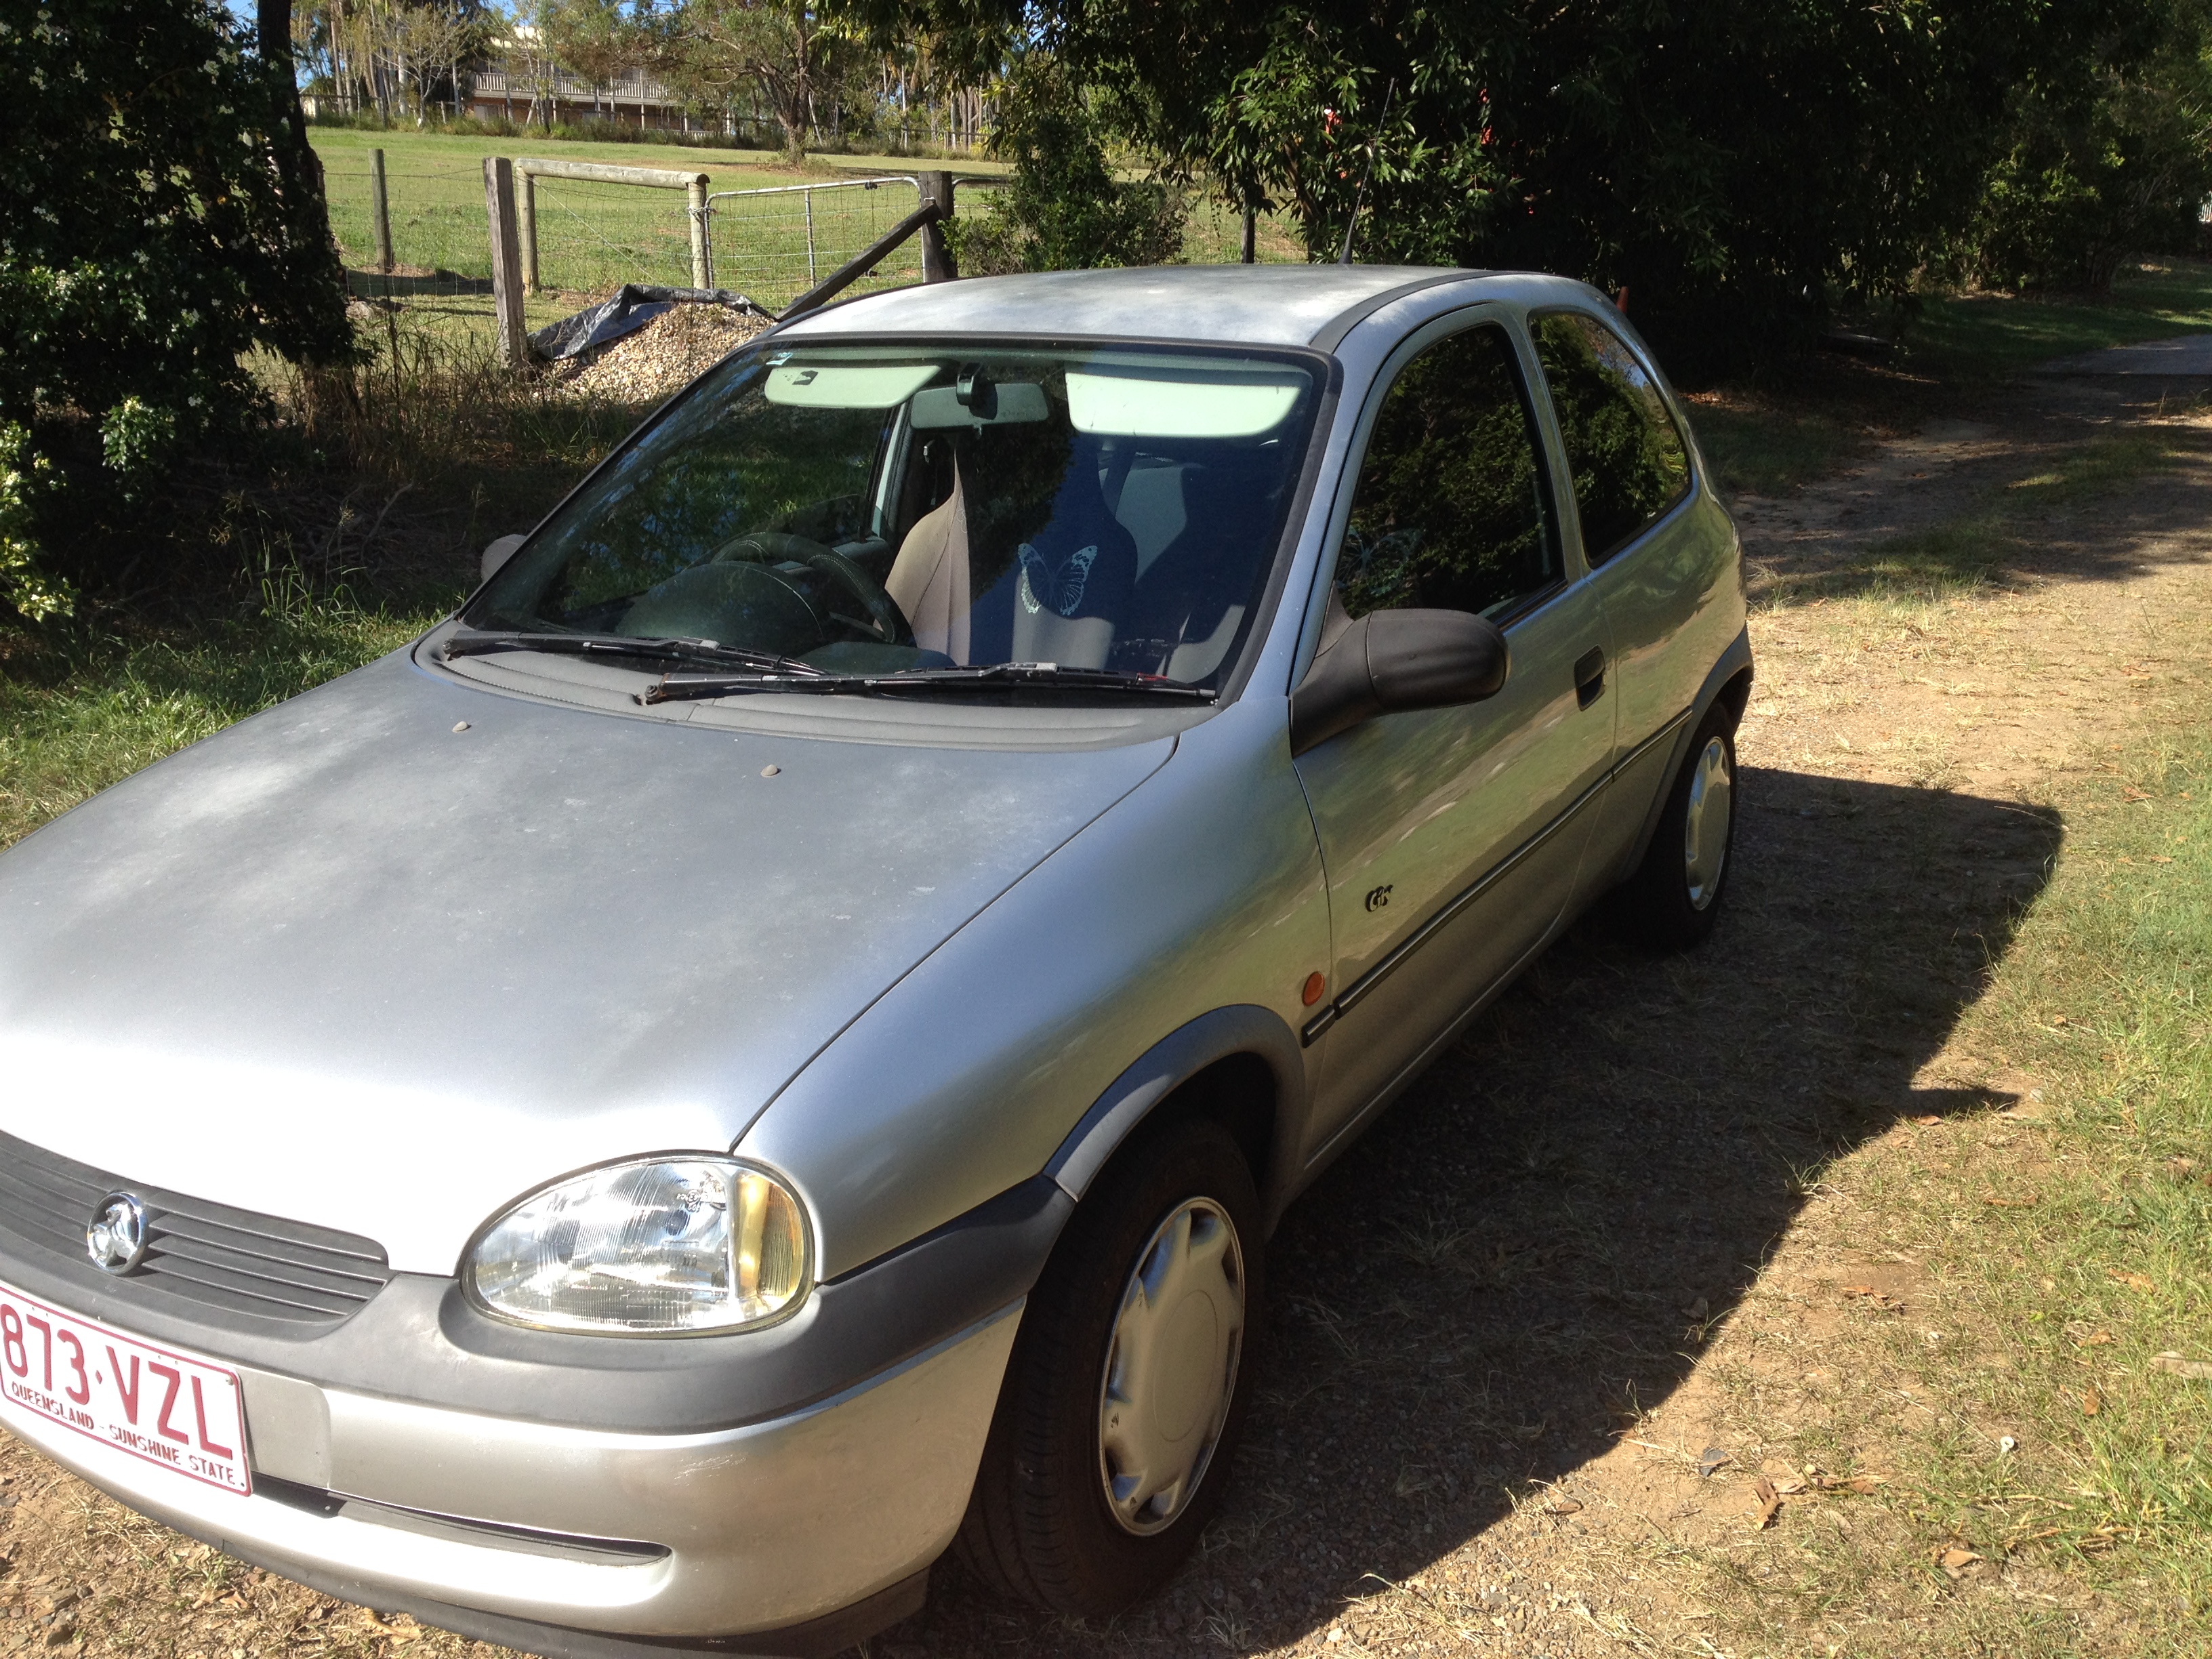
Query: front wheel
1128, 1383
1674, 897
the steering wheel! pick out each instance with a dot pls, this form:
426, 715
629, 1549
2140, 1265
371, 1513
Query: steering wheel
885, 618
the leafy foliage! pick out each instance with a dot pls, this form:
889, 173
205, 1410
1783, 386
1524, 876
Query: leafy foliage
781, 50
2107, 161
1739, 168
1065, 210
160, 216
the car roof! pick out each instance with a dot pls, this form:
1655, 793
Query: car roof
1255, 305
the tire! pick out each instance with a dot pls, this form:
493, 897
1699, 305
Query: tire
1041, 1526
1674, 897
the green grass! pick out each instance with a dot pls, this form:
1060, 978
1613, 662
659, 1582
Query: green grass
1770, 447
1986, 336
594, 237
2106, 996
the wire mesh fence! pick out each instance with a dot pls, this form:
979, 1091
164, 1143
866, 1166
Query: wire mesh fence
774, 243
440, 242
592, 236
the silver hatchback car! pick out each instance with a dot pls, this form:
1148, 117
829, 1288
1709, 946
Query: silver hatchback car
771, 1044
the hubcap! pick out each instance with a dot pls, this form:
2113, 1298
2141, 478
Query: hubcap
1171, 1366
1705, 826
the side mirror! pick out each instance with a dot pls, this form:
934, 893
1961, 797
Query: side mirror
1390, 660
498, 554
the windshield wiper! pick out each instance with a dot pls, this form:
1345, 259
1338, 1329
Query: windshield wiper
1026, 676
621, 645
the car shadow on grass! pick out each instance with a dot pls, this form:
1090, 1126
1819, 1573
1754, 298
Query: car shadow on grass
1534, 1243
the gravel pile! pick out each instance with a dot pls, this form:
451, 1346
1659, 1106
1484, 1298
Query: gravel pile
660, 358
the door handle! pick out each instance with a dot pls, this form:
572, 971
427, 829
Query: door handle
1589, 675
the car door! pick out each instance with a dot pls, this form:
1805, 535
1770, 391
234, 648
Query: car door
1652, 558
1451, 837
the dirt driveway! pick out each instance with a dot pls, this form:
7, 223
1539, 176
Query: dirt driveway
1509, 1323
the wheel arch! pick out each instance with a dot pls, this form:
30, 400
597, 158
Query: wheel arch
1727, 685
1239, 1065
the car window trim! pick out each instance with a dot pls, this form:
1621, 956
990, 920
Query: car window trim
1492, 311
1245, 650
1535, 315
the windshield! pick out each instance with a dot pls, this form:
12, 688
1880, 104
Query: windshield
879, 508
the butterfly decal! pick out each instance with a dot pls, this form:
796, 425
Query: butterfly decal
1058, 586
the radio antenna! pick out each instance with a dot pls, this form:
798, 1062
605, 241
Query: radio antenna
1374, 145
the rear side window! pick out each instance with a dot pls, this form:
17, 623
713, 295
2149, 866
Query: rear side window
1450, 511
1629, 462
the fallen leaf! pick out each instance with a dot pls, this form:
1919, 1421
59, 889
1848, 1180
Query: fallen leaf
1699, 1309
1860, 1290
2174, 1366
2133, 1281
1710, 1459
1787, 1487
2160, 858
2099, 1340
1562, 1506
2057, 1019
1956, 1561
2092, 1402
1770, 1502
1864, 1483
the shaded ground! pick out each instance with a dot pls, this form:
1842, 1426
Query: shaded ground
1597, 1235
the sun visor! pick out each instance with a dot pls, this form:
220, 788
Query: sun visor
1154, 404
846, 385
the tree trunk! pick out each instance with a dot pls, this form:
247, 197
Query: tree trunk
318, 269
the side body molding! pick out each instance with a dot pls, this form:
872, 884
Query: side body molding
1173, 1060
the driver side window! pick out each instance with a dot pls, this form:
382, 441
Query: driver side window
1451, 511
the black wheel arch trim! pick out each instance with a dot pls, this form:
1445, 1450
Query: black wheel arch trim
1734, 667
1241, 1028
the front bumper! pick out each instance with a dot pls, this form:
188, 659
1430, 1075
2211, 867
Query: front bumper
537, 1487
557, 1532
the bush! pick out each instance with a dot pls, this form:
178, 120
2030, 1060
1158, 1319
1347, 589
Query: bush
2103, 165
163, 218
1064, 209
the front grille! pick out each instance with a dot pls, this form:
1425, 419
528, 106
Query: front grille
260, 1266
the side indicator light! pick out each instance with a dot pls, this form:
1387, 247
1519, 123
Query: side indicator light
1315, 985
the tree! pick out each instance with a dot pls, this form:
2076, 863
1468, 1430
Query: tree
160, 214
1064, 209
2109, 156
1738, 166
594, 38
780, 51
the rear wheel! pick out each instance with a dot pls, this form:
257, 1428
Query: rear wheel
1128, 1384
1674, 897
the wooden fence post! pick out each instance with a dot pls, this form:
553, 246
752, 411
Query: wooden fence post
937, 265
506, 260
694, 196
380, 207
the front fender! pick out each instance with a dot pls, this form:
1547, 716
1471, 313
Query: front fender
1201, 890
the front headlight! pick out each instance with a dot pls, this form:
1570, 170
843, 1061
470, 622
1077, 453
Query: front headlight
655, 1247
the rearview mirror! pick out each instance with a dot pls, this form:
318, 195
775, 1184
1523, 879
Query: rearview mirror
1391, 661
498, 554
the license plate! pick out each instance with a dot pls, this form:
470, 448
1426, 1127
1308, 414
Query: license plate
181, 1414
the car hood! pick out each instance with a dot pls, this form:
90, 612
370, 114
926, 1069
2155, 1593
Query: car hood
349, 964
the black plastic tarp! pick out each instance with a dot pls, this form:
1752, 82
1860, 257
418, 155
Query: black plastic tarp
630, 308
